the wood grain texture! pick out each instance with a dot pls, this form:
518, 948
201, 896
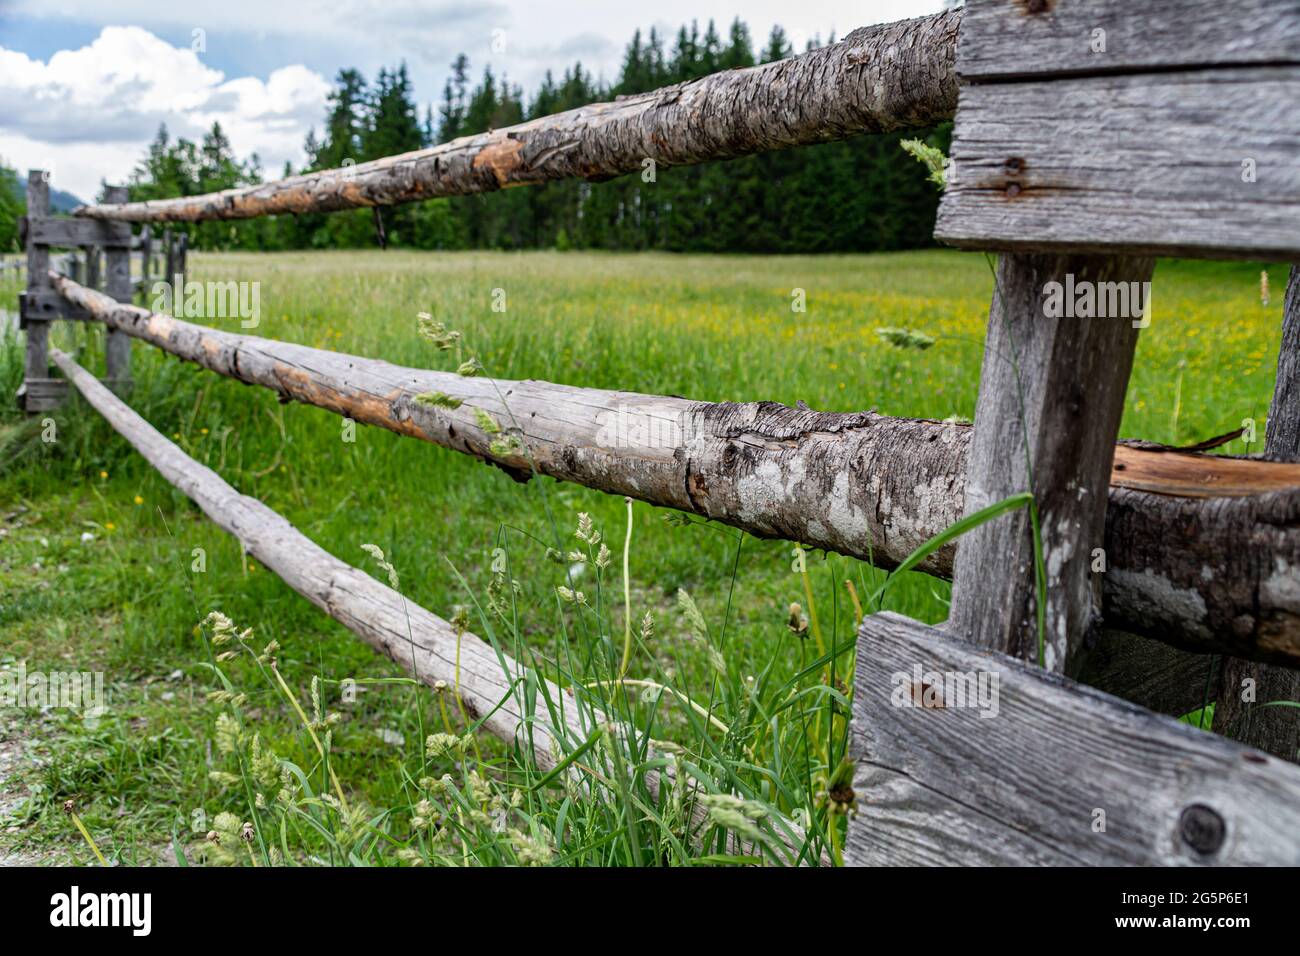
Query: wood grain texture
1050, 400
517, 705
1147, 164
1282, 441
858, 483
1002, 39
36, 364
81, 232
46, 305
894, 76
1246, 708
942, 785
1150, 673
117, 346
1190, 475
373, 611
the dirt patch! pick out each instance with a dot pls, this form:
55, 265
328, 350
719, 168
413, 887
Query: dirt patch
13, 754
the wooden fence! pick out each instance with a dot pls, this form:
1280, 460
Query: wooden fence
1088, 139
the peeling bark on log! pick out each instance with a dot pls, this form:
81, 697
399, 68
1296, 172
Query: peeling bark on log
893, 76
858, 483
1275, 729
423, 644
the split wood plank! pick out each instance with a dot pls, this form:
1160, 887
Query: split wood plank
1201, 163
78, 233
1016, 39
1035, 782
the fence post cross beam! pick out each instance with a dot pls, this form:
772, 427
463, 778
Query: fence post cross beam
39, 391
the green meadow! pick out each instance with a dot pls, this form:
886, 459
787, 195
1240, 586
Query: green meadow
97, 559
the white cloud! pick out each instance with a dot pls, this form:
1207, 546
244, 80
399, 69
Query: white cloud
113, 93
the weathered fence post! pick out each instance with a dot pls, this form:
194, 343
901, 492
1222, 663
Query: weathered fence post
39, 392
169, 258
1282, 442
1275, 729
1050, 400
146, 261
117, 345
91, 254
1077, 168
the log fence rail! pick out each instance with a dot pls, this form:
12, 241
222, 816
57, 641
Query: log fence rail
1178, 133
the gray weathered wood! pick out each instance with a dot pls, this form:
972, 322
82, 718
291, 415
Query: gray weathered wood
46, 305
858, 483
1275, 729
183, 258
169, 256
146, 259
1149, 673
1051, 396
1259, 721
79, 233
32, 397
1282, 441
91, 254
1002, 39
940, 784
117, 345
43, 394
373, 611
1149, 164
891, 76
509, 696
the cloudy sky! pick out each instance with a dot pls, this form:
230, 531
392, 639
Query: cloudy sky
85, 83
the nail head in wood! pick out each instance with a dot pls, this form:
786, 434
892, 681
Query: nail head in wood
1202, 829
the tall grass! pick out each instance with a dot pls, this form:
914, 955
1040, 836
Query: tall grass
724, 647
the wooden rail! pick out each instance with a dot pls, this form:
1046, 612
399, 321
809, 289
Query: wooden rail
895, 76
870, 486
1088, 137
492, 686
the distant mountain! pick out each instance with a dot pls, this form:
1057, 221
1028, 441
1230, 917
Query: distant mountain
60, 201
